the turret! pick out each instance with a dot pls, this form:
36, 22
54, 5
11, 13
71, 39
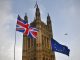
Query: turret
26, 18
19, 17
37, 17
48, 21
49, 25
37, 14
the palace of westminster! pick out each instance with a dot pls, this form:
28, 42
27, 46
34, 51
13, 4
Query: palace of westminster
39, 48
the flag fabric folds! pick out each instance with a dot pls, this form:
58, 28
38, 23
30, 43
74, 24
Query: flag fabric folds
32, 32
59, 48
22, 26
25, 28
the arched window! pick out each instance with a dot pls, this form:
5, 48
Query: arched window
32, 42
43, 41
34, 58
28, 42
46, 58
43, 58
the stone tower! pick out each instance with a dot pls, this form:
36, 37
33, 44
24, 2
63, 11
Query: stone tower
40, 48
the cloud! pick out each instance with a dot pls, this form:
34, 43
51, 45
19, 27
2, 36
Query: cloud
67, 19
6, 38
71, 23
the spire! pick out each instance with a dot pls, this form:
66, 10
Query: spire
48, 17
48, 21
25, 17
37, 8
37, 13
19, 17
49, 25
36, 5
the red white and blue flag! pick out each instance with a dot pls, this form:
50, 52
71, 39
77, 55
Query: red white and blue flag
32, 32
23, 26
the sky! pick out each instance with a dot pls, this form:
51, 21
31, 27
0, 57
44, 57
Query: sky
65, 17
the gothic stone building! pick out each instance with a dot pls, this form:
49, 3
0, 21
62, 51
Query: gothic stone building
40, 48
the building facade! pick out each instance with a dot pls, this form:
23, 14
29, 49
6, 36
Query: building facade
39, 48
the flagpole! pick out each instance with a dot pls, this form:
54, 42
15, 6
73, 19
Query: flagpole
14, 44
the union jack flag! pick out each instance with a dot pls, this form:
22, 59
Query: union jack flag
22, 26
32, 32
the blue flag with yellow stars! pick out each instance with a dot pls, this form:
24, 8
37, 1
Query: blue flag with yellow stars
59, 47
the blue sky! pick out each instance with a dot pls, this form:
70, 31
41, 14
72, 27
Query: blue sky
65, 17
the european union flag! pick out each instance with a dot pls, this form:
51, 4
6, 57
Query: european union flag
59, 48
